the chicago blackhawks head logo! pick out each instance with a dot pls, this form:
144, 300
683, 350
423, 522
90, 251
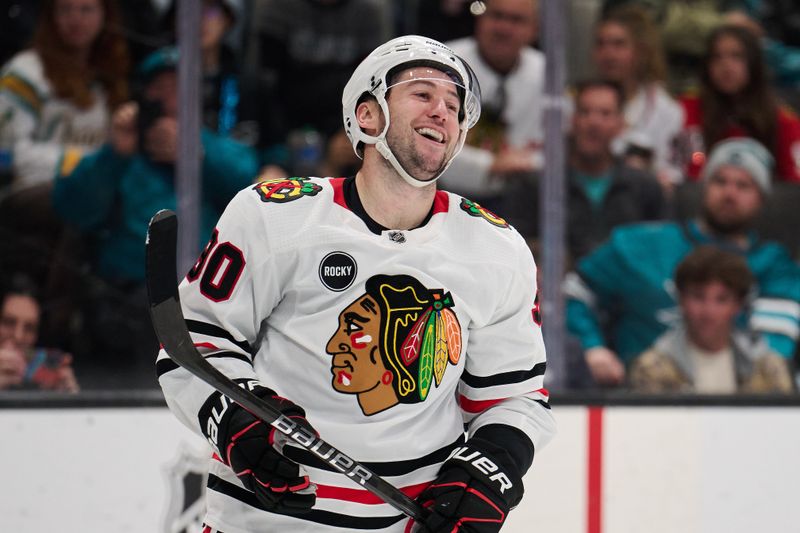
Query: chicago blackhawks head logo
394, 342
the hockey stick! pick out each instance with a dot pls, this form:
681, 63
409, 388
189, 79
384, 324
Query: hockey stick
170, 327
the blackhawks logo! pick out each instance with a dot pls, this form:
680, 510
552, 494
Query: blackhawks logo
394, 343
474, 209
286, 190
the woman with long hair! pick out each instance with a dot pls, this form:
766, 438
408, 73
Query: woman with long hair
56, 97
627, 50
736, 99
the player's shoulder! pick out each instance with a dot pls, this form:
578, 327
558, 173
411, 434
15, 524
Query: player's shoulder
286, 195
483, 229
282, 202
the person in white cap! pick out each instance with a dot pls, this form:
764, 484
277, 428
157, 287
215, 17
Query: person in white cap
383, 311
629, 278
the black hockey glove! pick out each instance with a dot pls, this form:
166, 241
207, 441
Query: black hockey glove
248, 445
476, 488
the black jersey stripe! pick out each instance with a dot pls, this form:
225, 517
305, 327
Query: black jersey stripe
167, 365
504, 378
383, 469
543, 403
229, 355
204, 328
328, 518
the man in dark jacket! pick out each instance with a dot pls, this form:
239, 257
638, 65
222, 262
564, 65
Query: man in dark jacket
603, 192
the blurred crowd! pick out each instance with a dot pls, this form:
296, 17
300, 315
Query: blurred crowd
682, 169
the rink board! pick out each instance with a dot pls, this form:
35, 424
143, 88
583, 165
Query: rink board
616, 470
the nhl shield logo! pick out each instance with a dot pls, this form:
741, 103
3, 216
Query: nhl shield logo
337, 271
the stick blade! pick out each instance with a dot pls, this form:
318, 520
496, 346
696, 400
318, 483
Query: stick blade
162, 240
162, 290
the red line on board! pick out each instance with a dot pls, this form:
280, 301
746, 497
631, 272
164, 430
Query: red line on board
594, 470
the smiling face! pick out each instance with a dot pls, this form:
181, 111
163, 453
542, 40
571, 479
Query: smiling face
423, 132
19, 320
357, 366
596, 121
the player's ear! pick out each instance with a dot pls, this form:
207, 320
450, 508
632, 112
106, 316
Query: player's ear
369, 116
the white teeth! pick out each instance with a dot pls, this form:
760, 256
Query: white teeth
431, 133
345, 380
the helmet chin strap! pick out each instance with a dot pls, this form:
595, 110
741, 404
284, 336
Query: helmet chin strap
387, 154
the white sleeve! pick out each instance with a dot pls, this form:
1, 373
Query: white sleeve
225, 298
503, 380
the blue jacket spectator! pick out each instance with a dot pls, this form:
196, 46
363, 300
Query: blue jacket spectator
113, 194
628, 280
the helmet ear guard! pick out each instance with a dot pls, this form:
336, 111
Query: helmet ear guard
373, 77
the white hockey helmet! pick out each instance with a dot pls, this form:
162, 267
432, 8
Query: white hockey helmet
371, 77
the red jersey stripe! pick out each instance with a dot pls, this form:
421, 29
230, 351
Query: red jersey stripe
479, 406
363, 496
205, 345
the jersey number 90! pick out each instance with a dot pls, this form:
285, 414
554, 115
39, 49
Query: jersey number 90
219, 268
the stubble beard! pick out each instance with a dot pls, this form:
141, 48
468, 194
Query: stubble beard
727, 228
410, 159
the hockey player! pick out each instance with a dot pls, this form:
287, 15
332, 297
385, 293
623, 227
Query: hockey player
386, 313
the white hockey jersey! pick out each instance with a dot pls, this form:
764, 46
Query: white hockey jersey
391, 342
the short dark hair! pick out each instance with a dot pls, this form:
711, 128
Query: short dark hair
711, 263
19, 284
597, 83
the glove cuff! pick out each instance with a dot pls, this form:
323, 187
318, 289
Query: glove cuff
218, 412
491, 465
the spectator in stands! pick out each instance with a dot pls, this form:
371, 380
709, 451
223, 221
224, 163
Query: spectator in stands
627, 50
626, 282
227, 103
737, 100
603, 192
707, 353
505, 144
56, 98
22, 364
307, 51
776, 23
112, 195
686, 25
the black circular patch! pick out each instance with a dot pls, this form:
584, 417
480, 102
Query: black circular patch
337, 271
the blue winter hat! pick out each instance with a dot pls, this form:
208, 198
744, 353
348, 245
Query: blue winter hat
161, 60
745, 153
